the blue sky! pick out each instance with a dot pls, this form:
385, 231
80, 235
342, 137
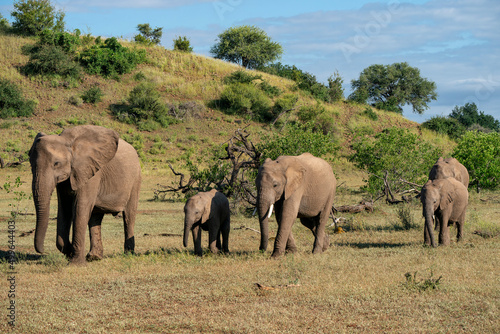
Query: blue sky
456, 44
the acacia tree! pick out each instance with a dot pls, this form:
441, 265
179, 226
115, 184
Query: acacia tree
247, 46
390, 87
468, 115
31, 17
148, 35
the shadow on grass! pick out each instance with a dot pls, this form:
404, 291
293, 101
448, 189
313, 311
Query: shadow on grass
20, 257
363, 245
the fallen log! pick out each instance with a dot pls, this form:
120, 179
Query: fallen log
361, 207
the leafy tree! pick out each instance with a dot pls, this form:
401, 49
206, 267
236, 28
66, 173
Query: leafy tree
394, 154
182, 44
148, 35
31, 17
468, 115
390, 87
247, 46
51, 60
4, 24
480, 154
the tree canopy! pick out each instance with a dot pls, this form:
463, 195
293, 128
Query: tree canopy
390, 87
148, 35
468, 115
31, 17
247, 46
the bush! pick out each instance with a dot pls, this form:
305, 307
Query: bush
316, 118
295, 140
92, 95
110, 59
368, 112
480, 154
182, 44
241, 77
145, 109
51, 60
396, 154
12, 102
445, 125
66, 41
244, 99
75, 100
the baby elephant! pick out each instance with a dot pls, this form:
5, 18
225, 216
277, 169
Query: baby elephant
208, 211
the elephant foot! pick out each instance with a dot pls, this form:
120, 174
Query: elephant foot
129, 245
326, 242
92, 256
77, 261
276, 254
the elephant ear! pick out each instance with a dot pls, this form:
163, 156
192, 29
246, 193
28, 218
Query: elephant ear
208, 207
33, 148
92, 147
294, 176
446, 195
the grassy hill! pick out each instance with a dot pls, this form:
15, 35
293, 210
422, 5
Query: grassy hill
375, 277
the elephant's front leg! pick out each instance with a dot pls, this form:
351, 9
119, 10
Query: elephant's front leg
214, 243
96, 248
196, 231
444, 232
84, 205
285, 223
64, 219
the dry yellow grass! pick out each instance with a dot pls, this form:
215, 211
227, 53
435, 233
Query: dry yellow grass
356, 286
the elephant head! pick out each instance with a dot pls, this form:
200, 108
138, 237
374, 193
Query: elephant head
74, 156
196, 212
277, 179
436, 194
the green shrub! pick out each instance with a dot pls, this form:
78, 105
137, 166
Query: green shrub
66, 41
296, 139
92, 95
245, 100
241, 77
145, 108
368, 112
12, 102
445, 125
111, 58
75, 100
182, 44
51, 60
269, 89
317, 119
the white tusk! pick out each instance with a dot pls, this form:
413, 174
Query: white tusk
270, 211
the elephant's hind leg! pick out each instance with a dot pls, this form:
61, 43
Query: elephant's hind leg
129, 215
226, 227
96, 249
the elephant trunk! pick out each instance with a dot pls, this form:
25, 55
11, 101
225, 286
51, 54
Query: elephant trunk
265, 210
428, 228
41, 197
188, 225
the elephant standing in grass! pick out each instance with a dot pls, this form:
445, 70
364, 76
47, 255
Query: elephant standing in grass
449, 167
298, 187
208, 211
447, 199
94, 172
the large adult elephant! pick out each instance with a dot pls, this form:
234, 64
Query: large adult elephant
447, 199
449, 167
94, 172
298, 187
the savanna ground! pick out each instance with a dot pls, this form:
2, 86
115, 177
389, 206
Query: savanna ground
357, 286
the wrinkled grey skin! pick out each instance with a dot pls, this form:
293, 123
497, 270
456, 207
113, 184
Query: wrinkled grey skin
449, 167
94, 172
447, 199
208, 211
298, 187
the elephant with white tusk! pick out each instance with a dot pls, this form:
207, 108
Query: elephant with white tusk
295, 187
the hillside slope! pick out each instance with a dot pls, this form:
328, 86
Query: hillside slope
180, 78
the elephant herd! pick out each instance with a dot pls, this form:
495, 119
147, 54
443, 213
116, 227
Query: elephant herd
95, 172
